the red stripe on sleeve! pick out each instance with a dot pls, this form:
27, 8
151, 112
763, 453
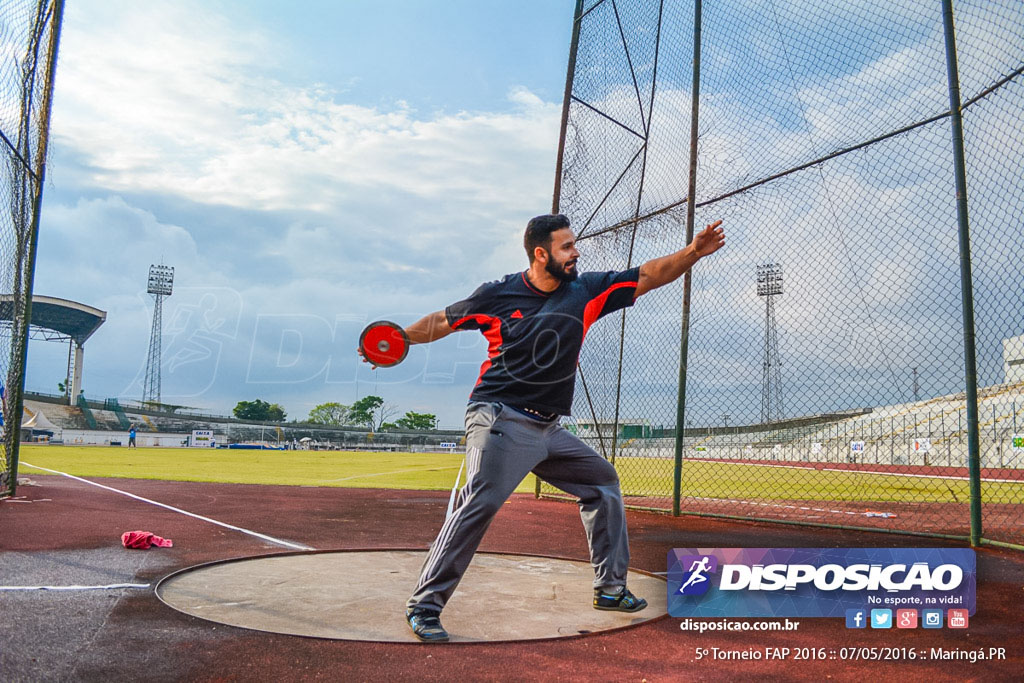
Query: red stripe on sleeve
492, 332
594, 307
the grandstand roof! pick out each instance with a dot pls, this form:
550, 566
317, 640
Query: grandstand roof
67, 319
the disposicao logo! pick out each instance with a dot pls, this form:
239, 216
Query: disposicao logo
817, 582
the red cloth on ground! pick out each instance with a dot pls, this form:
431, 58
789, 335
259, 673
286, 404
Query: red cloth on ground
143, 540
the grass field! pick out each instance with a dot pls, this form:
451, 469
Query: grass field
640, 476
292, 468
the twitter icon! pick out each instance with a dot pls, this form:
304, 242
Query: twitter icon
881, 618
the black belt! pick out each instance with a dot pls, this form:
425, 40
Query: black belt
535, 414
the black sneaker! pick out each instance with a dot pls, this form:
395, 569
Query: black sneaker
618, 602
426, 625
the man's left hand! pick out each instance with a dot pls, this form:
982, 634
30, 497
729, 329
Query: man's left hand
709, 240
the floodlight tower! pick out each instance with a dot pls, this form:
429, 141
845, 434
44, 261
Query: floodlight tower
161, 281
769, 286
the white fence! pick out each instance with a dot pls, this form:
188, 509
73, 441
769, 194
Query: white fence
90, 437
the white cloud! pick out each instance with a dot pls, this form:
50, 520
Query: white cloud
275, 194
191, 114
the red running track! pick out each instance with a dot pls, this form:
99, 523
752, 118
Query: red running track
141, 639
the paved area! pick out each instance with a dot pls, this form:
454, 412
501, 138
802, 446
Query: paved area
361, 595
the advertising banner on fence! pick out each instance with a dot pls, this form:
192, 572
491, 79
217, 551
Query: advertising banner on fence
202, 438
817, 582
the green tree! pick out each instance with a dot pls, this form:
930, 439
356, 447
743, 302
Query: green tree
329, 414
259, 411
413, 420
276, 413
371, 411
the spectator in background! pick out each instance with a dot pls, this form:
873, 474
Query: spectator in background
131, 437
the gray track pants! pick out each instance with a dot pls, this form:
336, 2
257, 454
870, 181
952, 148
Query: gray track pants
502, 447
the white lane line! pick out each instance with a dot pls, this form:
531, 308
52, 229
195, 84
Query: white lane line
384, 474
271, 539
866, 513
74, 588
987, 480
951, 477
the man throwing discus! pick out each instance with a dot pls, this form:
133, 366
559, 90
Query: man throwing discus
535, 322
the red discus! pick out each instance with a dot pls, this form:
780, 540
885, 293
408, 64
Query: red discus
384, 343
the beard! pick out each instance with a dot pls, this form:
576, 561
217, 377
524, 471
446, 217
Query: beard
564, 271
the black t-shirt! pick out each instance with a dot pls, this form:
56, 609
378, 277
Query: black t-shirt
534, 338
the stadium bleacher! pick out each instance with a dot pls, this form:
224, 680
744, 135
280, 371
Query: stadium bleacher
169, 428
932, 432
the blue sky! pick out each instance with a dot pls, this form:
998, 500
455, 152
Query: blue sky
445, 56
306, 168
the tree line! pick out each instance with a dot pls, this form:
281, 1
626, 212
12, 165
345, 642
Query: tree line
370, 412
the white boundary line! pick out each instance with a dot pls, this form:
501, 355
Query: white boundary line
271, 539
384, 474
840, 469
864, 513
74, 588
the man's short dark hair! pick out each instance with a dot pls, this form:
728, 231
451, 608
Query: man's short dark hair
539, 229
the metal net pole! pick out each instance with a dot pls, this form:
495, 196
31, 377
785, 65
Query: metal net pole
26, 163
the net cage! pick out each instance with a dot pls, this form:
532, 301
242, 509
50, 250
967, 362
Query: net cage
859, 341
29, 33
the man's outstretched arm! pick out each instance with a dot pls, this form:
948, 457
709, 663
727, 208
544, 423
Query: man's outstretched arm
427, 329
661, 271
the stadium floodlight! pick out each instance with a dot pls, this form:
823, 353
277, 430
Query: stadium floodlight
161, 280
769, 286
769, 279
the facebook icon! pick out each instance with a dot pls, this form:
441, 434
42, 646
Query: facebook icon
856, 618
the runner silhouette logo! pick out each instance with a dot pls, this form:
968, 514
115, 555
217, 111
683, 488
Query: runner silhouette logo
696, 580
